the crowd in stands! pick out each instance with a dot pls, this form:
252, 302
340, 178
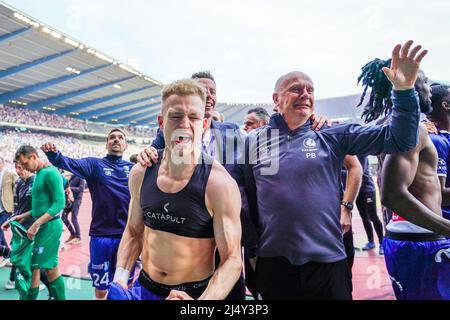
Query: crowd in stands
142, 131
42, 119
10, 141
36, 118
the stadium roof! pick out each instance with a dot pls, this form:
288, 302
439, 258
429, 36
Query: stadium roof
43, 69
341, 109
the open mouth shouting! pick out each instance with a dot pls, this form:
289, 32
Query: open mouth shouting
182, 139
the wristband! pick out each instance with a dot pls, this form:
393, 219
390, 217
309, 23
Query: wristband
121, 275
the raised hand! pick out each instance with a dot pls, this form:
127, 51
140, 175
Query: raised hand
431, 127
404, 66
319, 121
148, 155
49, 147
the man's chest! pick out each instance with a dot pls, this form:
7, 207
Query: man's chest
106, 173
307, 153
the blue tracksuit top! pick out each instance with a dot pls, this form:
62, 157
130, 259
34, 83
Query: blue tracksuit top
441, 142
107, 179
297, 210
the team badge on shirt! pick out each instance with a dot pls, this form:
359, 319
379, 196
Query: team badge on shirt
310, 148
108, 172
309, 143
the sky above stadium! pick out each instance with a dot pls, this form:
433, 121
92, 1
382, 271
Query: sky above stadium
248, 44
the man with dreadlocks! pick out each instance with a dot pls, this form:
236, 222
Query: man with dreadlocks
416, 252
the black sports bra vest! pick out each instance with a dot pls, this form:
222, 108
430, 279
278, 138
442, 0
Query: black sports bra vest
182, 213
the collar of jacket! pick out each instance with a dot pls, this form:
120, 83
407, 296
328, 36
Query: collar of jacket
277, 122
113, 158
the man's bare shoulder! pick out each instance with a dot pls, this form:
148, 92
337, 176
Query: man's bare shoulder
137, 171
424, 138
220, 182
222, 193
428, 149
136, 178
421, 145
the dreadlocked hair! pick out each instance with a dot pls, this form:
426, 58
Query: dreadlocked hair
380, 96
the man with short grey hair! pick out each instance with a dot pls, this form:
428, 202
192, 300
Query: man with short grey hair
296, 210
255, 118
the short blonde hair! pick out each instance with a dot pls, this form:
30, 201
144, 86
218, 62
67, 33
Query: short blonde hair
185, 87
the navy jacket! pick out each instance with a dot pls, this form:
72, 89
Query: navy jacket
293, 179
107, 179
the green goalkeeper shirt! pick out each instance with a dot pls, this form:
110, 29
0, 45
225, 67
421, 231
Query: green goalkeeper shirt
47, 193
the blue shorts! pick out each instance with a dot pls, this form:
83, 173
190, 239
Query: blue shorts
137, 292
103, 251
419, 270
147, 289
